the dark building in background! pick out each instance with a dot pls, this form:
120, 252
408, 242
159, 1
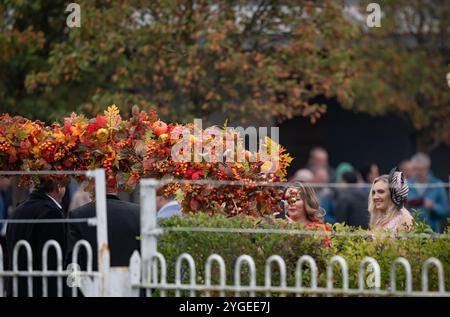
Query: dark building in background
359, 139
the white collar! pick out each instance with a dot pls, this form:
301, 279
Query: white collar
54, 200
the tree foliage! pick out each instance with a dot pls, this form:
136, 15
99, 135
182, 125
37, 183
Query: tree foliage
402, 67
252, 60
247, 59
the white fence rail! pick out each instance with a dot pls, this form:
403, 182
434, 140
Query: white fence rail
159, 279
61, 274
149, 270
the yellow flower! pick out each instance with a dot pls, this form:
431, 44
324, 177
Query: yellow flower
164, 137
102, 135
59, 136
266, 167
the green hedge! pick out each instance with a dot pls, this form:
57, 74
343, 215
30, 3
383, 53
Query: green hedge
291, 246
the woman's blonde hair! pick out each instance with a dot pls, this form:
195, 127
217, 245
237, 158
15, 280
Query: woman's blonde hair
310, 201
380, 219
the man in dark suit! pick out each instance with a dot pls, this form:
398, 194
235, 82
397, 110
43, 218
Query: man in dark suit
42, 204
123, 231
351, 205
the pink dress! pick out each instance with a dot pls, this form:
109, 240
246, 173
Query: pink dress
402, 221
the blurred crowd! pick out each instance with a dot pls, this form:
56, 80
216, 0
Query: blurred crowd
343, 191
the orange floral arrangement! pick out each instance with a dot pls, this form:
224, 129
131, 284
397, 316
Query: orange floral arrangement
144, 146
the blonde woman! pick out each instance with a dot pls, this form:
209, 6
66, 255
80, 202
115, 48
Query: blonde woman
386, 199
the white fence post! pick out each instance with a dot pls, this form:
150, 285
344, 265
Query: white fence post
404, 262
208, 268
149, 228
268, 273
135, 273
299, 272
237, 273
89, 287
344, 271
178, 273
163, 266
15, 266
102, 230
54, 244
376, 271
440, 273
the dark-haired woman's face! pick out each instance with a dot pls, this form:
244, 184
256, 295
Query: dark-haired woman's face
295, 207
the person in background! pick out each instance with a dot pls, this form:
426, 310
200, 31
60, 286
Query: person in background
429, 196
318, 158
303, 175
341, 169
167, 207
123, 230
351, 205
79, 198
370, 172
406, 166
43, 203
325, 194
386, 203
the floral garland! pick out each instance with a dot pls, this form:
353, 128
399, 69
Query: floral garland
141, 147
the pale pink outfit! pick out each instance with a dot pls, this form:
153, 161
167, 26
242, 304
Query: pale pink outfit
402, 221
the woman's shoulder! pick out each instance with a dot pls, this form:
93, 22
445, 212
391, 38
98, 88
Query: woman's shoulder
406, 217
403, 221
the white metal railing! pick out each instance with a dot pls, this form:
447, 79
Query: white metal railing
149, 270
61, 274
93, 283
194, 288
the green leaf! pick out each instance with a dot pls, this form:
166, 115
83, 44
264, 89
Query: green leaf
21, 134
148, 135
179, 195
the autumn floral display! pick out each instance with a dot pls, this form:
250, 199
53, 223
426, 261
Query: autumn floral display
144, 146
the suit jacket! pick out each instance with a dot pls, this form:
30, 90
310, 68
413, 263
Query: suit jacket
37, 206
352, 208
123, 231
